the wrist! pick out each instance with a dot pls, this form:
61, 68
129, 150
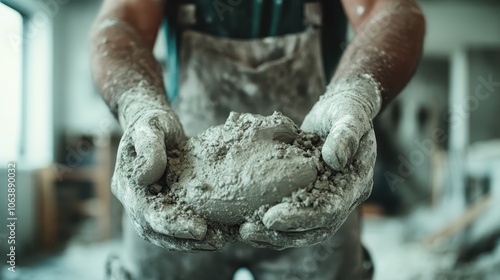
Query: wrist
140, 100
362, 91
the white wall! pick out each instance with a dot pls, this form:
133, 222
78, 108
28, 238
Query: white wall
454, 24
79, 107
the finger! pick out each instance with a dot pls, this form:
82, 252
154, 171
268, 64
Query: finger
161, 225
213, 241
151, 157
165, 219
123, 171
342, 142
155, 221
115, 180
361, 186
292, 218
367, 154
171, 229
258, 236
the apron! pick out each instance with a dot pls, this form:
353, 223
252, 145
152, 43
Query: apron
260, 76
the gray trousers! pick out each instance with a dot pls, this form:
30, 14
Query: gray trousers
341, 257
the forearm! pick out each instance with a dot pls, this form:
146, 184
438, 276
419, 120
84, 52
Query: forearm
386, 48
124, 68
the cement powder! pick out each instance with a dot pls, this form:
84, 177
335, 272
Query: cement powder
232, 173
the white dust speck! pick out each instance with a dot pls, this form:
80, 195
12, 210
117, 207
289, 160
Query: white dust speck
360, 10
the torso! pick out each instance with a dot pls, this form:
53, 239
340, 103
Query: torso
227, 65
258, 57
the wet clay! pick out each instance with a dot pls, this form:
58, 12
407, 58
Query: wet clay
232, 173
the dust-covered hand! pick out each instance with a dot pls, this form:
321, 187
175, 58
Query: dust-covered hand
150, 128
343, 116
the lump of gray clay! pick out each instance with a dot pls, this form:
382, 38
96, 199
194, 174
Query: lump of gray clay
230, 174
227, 172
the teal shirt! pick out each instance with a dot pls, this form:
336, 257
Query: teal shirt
249, 19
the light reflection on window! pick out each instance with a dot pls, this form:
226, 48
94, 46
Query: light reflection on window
11, 55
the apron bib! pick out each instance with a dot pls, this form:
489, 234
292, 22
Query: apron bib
219, 75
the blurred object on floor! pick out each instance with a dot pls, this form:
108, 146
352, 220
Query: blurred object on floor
483, 170
462, 221
396, 249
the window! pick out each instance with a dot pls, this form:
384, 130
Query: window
11, 82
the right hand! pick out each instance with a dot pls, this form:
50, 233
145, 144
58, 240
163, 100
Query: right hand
141, 163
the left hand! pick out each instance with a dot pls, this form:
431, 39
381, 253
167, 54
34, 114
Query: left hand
344, 117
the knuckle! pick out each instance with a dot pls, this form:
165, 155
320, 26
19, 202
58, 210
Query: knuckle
115, 186
344, 132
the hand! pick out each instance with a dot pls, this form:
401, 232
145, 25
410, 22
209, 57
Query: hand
141, 162
344, 117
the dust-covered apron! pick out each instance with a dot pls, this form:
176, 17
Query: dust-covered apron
219, 75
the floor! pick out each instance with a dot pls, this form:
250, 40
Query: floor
391, 242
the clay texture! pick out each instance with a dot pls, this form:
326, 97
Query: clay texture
231, 174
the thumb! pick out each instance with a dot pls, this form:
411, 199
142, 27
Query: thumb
151, 159
342, 142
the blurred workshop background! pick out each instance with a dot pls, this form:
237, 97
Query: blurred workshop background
437, 182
